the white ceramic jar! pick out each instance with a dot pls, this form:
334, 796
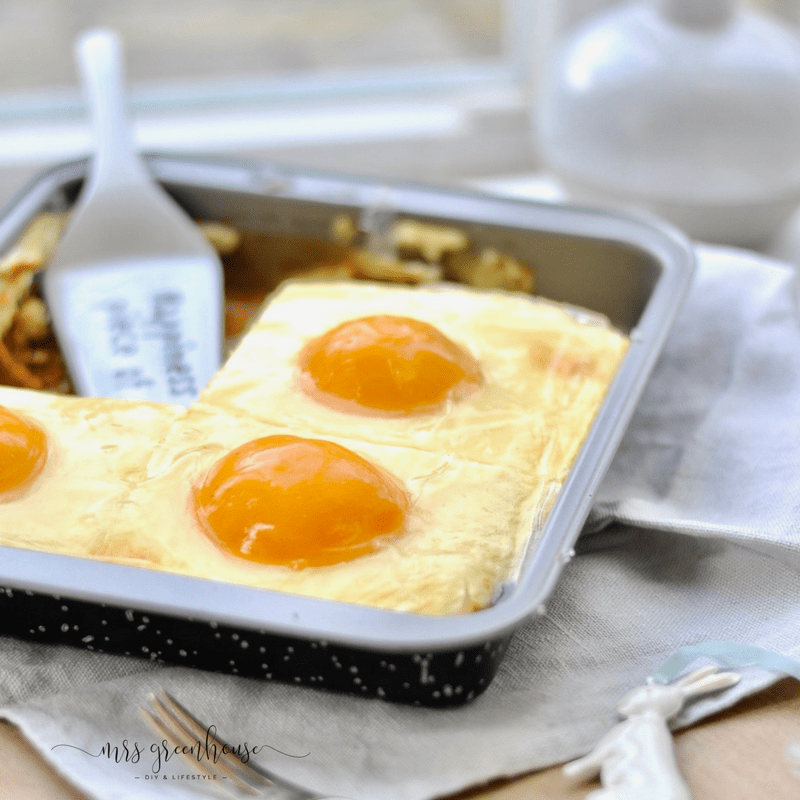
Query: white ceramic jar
689, 109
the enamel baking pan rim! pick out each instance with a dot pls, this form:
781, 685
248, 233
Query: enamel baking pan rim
360, 626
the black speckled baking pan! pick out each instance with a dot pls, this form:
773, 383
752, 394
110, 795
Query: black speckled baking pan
634, 272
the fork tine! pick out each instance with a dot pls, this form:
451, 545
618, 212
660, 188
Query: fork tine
169, 735
190, 723
181, 729
185, 730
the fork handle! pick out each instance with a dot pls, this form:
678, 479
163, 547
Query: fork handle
99, 56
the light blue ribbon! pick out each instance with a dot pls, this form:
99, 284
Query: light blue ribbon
726, 654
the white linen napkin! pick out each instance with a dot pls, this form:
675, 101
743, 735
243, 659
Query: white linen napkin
695, 536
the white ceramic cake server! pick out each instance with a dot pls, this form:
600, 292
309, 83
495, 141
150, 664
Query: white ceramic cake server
135, 292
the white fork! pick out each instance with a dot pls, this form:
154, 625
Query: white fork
182, 730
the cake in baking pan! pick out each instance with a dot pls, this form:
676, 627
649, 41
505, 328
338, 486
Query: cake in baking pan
376, 444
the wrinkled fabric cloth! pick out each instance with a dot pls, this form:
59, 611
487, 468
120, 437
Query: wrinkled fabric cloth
712, 448
694, 536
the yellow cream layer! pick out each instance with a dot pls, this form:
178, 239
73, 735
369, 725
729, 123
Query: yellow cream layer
119, 478
98, 450
546, 373
467, 525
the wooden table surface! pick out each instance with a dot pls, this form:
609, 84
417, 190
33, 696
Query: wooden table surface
737, 755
